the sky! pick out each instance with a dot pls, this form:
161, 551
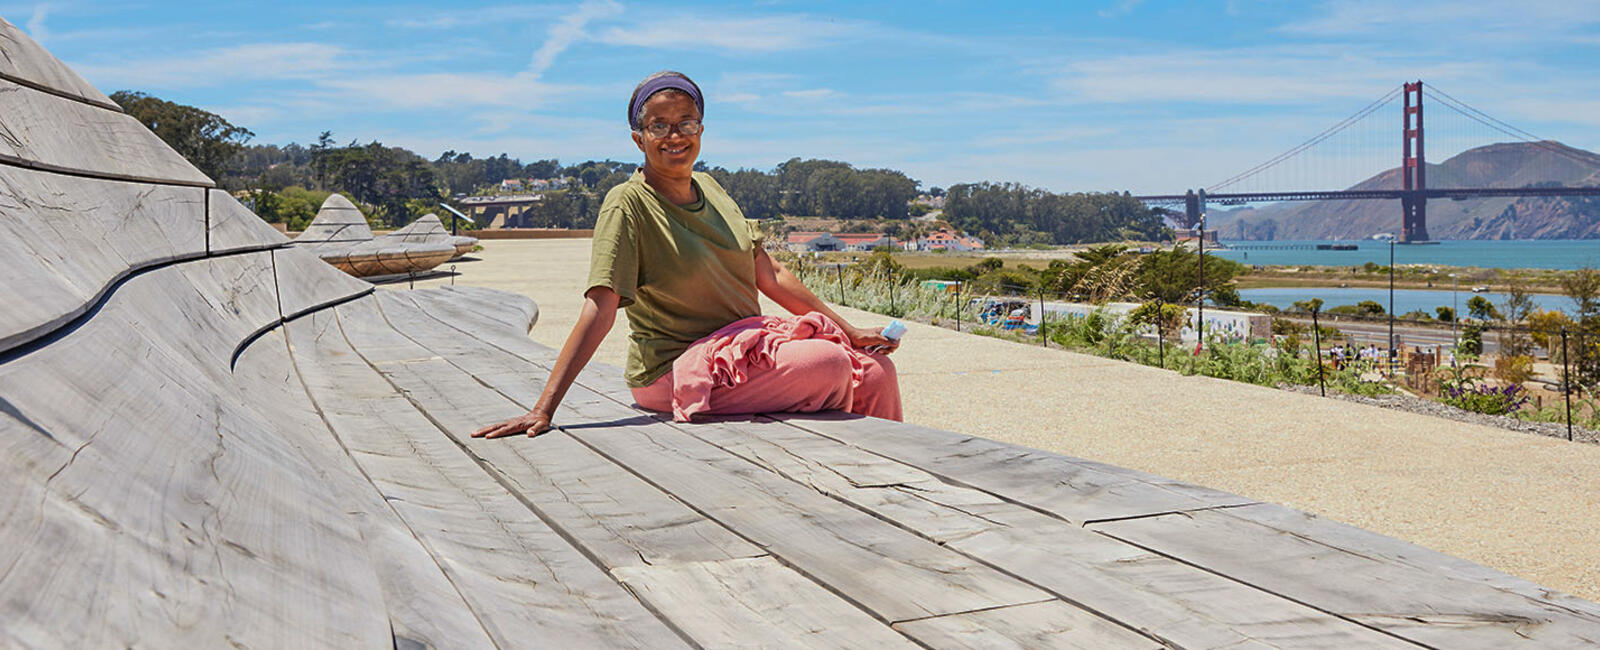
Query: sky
1150, 97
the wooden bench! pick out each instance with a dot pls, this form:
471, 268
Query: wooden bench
428, 228
211, 438
340, 236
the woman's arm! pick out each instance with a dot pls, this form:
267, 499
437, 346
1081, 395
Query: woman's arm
783, 288
594, 322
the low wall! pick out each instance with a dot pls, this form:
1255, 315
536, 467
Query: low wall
529, 233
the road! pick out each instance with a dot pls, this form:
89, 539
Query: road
1374, 332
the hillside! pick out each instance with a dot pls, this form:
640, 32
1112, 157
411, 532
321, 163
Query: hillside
1518, 164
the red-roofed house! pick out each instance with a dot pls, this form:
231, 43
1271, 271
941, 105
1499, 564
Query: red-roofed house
812, 242
946, 240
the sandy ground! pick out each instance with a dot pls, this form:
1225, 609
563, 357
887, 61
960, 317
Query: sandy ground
1523, 504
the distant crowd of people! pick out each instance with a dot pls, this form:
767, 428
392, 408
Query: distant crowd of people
1344, 355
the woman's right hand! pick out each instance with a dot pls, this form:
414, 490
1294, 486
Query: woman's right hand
533, 422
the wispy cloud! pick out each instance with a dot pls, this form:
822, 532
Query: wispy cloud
568, 30
36, 27
1120, 8
736, 35
1262, 76
226, 66
811, 93
453, 19
1453, 21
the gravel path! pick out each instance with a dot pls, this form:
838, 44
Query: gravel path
1422, 406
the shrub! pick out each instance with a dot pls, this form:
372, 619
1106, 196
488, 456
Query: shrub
1471, 395
1513, 369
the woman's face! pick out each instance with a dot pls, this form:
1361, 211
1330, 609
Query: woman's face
674, 152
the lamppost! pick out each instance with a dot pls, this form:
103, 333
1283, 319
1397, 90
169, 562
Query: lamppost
1391, 350
1455, 310
1200, 320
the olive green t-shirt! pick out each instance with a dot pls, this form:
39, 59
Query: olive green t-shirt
682, 272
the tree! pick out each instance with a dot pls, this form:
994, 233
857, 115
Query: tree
1370, 308
1480, 308
1308, 306
206, 139
1583, 287
319, 157
1445, 314
1518, 305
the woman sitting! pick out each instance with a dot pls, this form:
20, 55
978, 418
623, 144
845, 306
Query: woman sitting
673, 250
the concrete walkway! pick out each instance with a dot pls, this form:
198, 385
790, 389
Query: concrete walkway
1523, 504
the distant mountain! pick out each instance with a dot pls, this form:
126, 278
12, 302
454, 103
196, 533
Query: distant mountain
1516, 164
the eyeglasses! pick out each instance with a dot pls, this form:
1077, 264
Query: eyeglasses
661, 129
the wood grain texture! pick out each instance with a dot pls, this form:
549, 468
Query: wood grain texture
524, 581
51, 132
379, 257
755, 602
613, 515
305, 283
65, 240
235, 227
429, 229
22, 59
161, 510
1358, 581
337, 221
1074, 489
1394, 551
1025, 627
423, 607
1169, 600
890, 572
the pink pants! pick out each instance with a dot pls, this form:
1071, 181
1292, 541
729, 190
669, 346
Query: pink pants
807, 375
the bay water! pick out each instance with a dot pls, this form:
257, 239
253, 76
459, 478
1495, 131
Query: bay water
1498, 254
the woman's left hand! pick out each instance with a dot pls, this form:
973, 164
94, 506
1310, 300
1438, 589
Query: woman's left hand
872, 340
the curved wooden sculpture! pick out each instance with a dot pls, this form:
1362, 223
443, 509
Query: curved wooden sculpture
428, 228
340, 236
210, 439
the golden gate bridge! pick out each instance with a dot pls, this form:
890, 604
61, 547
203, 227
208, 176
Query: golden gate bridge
1413, 191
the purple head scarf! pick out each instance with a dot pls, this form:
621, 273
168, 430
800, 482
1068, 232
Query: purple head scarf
667, 81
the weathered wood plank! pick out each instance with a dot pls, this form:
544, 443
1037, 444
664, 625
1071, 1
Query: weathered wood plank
612, 514
238, 300
1421, 604
163, 511
1076, 490
1392, 550
235, 227
890, 572
65, 240
499, 357
1188, 607
51, 132
423, 607
305, 283
476, 330
428, 228
22, 59
337, 221
1051, 624
755, 602
458, 304
526, 583
519, 309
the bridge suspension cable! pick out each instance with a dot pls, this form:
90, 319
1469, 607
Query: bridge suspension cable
1496, 124
1308, 144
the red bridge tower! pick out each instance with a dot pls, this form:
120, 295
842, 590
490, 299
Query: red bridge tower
1413, 170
